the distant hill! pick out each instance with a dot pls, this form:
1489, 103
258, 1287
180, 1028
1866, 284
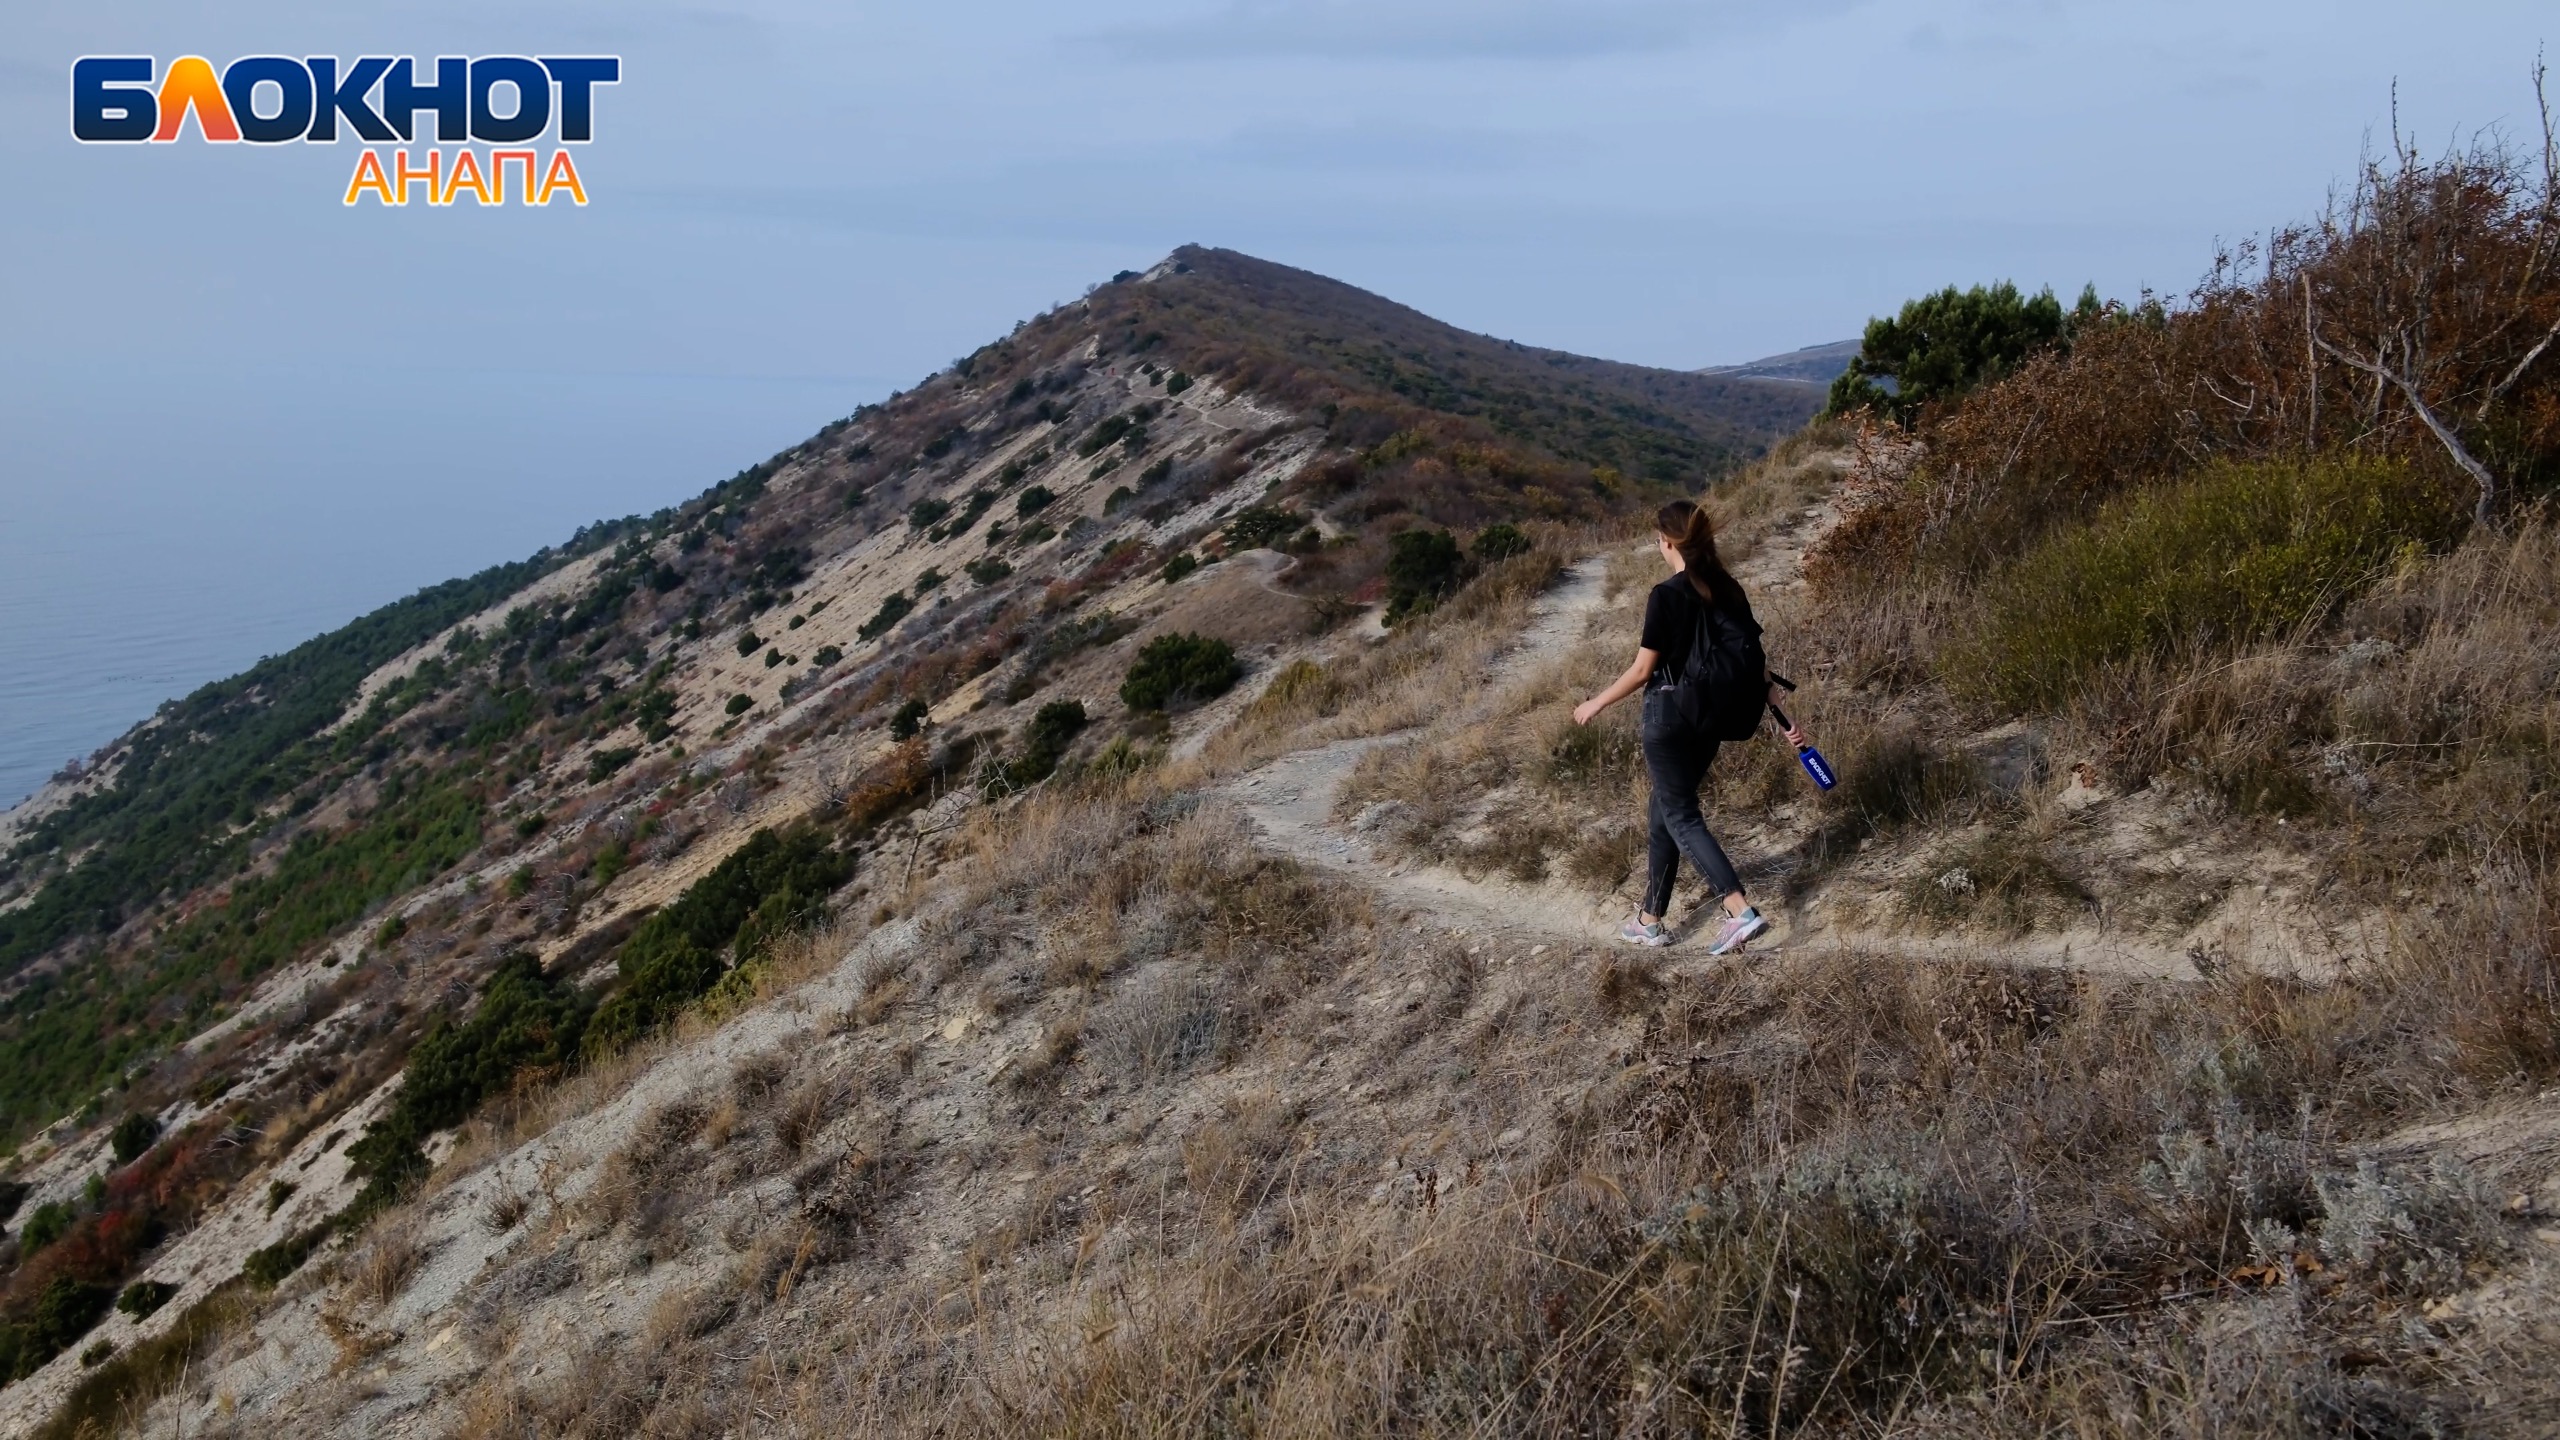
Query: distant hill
1814, 364
1300, 337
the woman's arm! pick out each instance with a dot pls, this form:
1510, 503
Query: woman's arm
1619, 689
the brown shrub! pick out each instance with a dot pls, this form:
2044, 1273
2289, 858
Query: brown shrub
2440, 272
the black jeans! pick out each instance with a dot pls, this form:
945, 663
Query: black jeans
1676, 760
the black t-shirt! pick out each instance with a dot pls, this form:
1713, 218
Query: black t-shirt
1672, 614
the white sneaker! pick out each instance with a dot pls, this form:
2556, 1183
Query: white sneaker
1637, 932
1738, 929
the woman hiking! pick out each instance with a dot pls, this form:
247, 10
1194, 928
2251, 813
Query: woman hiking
1678, 744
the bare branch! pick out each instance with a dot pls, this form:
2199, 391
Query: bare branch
2484, 512
2517, 373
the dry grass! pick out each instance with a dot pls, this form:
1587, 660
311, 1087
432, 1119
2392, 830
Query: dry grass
1833, 1194
1263, 1165
1422, 670
377, 1275
506, 1210
1837, 1194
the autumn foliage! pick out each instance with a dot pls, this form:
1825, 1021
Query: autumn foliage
2415, 321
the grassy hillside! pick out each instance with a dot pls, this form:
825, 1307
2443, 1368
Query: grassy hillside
308, 866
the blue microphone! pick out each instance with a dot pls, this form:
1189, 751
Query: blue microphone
1814, 764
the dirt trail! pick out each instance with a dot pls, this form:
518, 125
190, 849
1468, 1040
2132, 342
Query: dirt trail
1291, 800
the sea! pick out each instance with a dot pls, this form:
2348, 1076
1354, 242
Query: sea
132, 573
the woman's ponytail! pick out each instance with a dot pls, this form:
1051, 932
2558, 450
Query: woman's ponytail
1691, 532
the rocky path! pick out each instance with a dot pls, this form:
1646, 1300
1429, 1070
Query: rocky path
1291, 803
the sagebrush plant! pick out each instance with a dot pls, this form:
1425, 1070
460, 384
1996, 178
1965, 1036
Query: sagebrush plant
2238, 553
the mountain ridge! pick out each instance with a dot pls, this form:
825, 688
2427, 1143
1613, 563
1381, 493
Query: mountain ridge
254, 907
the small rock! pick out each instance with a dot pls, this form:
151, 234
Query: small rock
1510, 1137
2085, 789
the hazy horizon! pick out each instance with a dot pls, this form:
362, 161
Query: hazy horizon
239, 414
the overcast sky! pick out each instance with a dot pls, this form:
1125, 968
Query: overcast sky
213, 373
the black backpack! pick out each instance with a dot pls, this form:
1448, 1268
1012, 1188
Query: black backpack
1723, 681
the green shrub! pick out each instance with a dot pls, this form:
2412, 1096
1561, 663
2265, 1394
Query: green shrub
1259, 527
1176, 383
987, 570
1055, 727
605, 764
927, 512
1109, 432
1423, 567
1044, 741
740, 704
133, 1135
1035, 532
49, 1222
97, 1353
1120, 495
1157, 473
654, 713
911, 719
749, 642
526, 1020
892, 610
1179, 566
63, 1311
929, 581
977, 504
268, 1267
772, 658
827, 655
770, 885
1033, 500
2238, 553
1496, 543
1179, 669
143, 1297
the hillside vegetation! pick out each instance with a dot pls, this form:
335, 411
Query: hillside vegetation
582, 798
1071, 904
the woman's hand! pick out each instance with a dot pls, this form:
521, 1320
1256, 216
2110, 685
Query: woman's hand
1624, 686
1795, 732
